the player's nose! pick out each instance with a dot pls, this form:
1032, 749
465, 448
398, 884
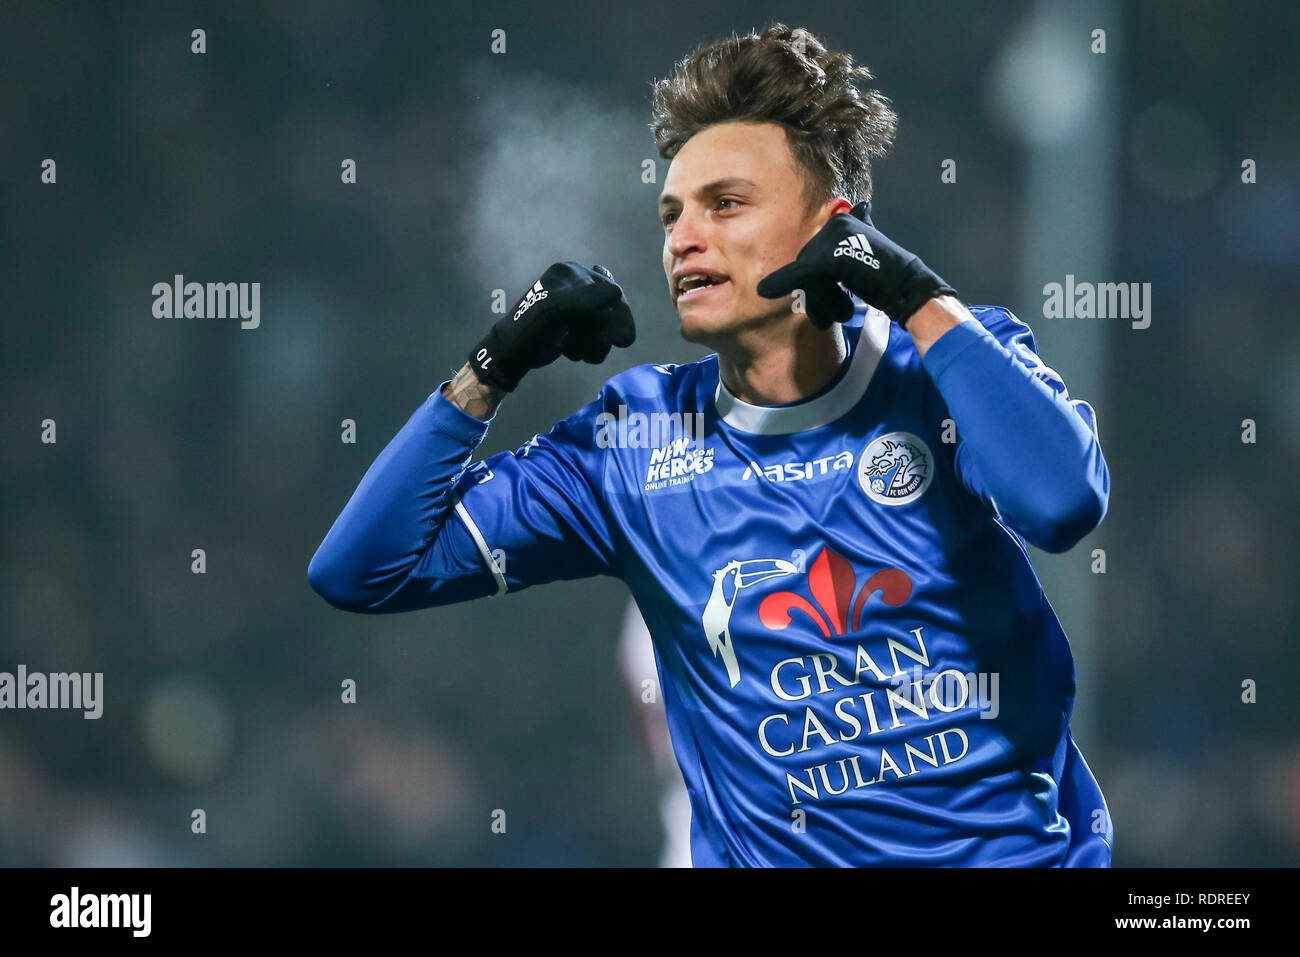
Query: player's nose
685, 236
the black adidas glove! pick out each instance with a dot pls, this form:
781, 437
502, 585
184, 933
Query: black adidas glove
572, 311
850, 250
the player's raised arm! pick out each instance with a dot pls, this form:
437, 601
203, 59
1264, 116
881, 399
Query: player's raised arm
1024, 447
424, 529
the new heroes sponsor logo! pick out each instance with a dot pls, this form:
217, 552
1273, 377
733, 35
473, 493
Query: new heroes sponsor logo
800, 471
677, 463
534, 296
75, 909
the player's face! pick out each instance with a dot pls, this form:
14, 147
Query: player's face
732, 206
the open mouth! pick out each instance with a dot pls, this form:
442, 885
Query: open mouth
693, 289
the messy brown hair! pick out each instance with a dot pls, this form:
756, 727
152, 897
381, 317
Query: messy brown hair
783, 76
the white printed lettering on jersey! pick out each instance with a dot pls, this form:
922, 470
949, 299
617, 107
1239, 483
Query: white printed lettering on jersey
800, 471
1039, 369
676, 463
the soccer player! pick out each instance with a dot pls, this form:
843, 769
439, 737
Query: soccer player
824, 523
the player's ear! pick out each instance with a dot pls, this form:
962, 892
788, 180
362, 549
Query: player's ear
837, 205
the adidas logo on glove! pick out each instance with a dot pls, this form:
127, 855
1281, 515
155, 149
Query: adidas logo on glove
535, 295
857, 247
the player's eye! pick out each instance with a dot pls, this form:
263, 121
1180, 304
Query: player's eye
669, 217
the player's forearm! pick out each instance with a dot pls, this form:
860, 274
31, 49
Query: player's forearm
473, 396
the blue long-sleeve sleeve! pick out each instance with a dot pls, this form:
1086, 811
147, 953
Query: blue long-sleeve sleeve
1024, 446
393, 547
424, 528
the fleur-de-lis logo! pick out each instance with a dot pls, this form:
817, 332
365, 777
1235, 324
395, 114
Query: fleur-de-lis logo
831, 581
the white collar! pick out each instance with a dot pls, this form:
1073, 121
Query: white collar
827, 407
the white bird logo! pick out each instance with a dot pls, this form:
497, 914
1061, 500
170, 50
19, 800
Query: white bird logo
727, 582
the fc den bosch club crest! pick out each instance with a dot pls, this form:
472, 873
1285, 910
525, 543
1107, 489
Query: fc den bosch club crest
896, 468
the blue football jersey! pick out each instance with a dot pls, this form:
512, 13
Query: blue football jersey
858, 663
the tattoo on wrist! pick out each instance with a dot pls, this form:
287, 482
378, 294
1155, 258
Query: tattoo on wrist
471, 396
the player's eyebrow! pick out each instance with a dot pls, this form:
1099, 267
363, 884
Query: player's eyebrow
717, 186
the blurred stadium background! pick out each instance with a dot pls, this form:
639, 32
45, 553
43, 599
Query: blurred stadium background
475, 171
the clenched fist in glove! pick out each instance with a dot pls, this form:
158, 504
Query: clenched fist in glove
571, 310
850, 250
